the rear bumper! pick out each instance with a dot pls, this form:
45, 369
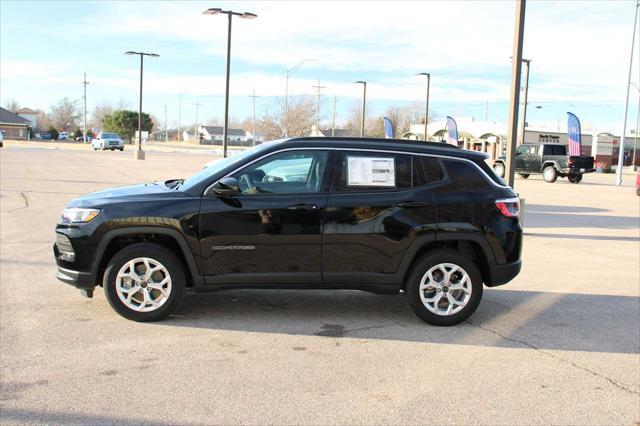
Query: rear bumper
502, 274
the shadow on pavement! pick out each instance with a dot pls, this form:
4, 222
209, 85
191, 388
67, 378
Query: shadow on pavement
547, 208
24, 416
535, 219
505, 318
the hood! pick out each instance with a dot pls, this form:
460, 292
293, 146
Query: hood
126, 193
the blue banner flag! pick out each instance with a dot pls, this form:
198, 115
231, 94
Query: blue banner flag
574, 136
452, 131
388, 128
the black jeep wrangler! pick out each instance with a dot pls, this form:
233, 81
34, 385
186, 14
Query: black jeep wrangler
549, 159
384, 216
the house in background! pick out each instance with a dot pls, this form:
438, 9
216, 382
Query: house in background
30, 115
13, 126
212, 135
257, 140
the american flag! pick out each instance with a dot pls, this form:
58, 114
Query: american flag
388, 128
573, 132
452, 131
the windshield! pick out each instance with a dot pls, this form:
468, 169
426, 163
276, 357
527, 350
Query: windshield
109, 136
218, 165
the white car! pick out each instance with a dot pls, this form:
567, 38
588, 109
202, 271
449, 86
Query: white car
106, 141
63, 136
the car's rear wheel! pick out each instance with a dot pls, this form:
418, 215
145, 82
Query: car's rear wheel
524, 175
144, 282
444, 288
575, 178
549, 174
499, 169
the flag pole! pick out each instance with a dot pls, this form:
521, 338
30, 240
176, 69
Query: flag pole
626, 104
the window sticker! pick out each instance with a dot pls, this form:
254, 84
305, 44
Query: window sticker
371, 171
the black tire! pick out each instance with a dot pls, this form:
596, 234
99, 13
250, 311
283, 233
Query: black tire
121, 149
549, 174
433, 258
499, 169
524, 175
575, 178
157, 253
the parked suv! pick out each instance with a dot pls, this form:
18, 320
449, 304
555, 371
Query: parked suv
384, 216
551, 160
106, 141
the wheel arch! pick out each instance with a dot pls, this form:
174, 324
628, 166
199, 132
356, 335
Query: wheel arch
117, 239
471, 246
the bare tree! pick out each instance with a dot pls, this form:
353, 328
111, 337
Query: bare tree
371, 125
12, 105
65, 114
301, 117
99, 113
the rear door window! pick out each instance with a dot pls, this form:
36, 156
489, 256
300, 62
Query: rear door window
426, 170
358, 171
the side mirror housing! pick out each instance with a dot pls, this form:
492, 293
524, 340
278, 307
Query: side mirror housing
226, 187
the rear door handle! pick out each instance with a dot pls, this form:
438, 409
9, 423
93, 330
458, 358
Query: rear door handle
411, 204
303, 207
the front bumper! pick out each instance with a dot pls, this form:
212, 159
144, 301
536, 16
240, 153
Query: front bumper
502, 274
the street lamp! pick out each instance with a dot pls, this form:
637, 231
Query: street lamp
286, 94
364, 103
230, 14
140, 153
426, 112
527, 62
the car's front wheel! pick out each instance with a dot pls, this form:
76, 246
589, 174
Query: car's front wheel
444, 288
144, 282
575, 178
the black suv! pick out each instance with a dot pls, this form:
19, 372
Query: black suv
383, 216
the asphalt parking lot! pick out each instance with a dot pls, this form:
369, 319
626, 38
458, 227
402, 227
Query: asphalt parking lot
560, 344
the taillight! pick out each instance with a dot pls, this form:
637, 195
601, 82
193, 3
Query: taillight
509, 207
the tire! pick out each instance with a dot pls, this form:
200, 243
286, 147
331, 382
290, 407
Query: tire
498, 168
168, 298
524, 175
121, 149
418, 299
550, 174
575, 178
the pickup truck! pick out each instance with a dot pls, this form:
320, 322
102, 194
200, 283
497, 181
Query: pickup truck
551, 160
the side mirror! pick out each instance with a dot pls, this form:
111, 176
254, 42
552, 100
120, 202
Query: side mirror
226, 187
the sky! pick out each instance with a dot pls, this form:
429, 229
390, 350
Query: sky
579, 53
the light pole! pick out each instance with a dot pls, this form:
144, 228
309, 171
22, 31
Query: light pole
526, 94
179, 115
426, 111
84, 99
230, 14
364, 104
286, 94
140, 153
253, 129
626, 103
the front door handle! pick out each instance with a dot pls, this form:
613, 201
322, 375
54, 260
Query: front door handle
411, 204
303, 207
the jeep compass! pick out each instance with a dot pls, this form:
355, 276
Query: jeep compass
387, 216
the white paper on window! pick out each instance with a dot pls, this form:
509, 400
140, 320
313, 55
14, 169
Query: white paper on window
371, 171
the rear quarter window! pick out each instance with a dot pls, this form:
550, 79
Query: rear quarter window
465, 176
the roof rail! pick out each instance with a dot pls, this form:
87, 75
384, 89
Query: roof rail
395, 141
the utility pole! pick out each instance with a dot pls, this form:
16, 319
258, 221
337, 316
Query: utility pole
254, 115
166, 128
486, 111
318, 87
526, 95
626, 104
333, 127
179, 114
426, 111
195, 131
516, 70
84, 98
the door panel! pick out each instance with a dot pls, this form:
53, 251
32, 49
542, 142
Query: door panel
271, 231
368, 231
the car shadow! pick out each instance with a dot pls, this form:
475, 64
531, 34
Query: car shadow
581, 237
505, 318
548, 208
534, 219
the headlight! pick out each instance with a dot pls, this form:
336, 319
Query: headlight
77, 215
